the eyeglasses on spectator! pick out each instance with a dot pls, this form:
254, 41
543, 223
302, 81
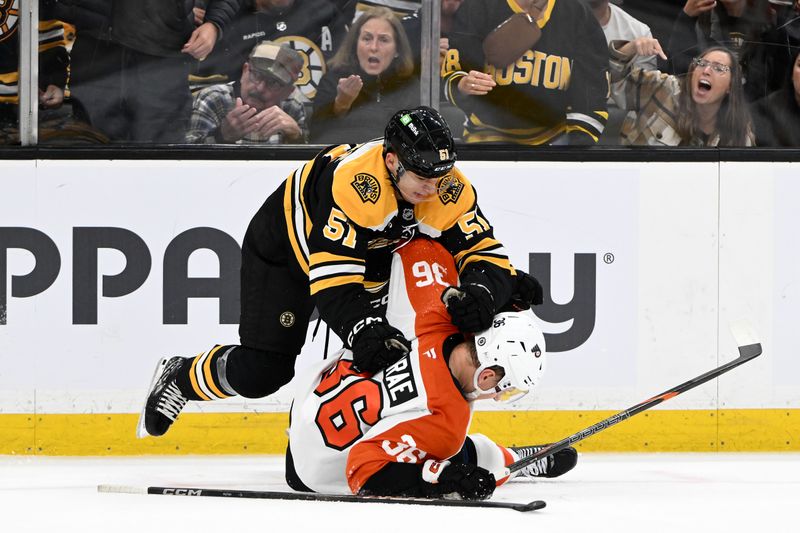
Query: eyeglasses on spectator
271, 83
719, 68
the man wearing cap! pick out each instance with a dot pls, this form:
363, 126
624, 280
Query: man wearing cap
264, 106
315, 28
324, 238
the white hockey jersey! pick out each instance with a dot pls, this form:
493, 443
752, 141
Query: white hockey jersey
346, 426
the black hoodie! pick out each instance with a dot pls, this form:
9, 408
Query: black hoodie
162, 27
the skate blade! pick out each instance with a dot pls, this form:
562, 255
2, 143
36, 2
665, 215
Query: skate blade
141, 431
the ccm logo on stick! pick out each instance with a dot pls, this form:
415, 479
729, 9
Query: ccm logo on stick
183, 492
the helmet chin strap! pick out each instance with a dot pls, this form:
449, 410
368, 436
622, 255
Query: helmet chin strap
475, 394
400, 171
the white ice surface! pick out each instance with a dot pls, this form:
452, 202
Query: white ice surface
756, 493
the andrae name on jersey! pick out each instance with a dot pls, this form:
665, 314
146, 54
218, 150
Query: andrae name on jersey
398, 380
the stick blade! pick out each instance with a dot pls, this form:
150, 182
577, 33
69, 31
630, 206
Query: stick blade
746, 339
532, 506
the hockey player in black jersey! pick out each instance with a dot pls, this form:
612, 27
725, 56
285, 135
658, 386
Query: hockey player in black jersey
325, 238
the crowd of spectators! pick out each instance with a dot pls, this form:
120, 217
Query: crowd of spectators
525, 72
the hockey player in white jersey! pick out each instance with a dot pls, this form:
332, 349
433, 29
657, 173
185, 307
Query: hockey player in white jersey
403, 430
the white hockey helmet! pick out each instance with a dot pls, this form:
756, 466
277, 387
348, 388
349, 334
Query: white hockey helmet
514, 342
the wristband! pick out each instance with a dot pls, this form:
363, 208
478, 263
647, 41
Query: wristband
431, 470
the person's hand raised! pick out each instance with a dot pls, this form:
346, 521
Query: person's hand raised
239, 121
444, 46
643, 46
199, 15
476, 83
695, 8
51, 97
347, 91
275, 120
202, 41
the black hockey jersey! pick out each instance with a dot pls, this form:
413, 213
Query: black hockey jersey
558, 87
53, 56
344, 218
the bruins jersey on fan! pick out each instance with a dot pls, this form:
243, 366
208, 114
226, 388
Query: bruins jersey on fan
344, 218
53, 56
559, 86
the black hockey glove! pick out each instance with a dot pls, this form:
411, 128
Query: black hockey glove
471, 306
470, 482
377, 345
529, 289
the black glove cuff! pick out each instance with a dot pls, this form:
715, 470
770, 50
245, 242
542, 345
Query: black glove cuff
359, 327
377, 345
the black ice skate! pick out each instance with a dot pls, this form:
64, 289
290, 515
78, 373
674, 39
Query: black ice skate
553, 466
164, 400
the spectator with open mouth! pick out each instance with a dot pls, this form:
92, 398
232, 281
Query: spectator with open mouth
706, 107
369, 78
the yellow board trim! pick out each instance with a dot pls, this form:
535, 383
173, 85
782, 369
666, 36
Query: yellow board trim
740, 430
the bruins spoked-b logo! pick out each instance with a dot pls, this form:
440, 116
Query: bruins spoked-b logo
450, 188
287, 319
367, 187
314, 66
9, 14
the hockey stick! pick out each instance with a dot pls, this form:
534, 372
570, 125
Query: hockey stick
749, 348
312, 496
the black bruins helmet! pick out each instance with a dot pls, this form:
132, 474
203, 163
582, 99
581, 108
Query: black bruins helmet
422, 141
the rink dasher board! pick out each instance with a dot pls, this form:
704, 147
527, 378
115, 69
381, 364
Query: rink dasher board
693, 246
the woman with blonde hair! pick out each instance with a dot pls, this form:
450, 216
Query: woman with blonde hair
706, 107
369, 78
